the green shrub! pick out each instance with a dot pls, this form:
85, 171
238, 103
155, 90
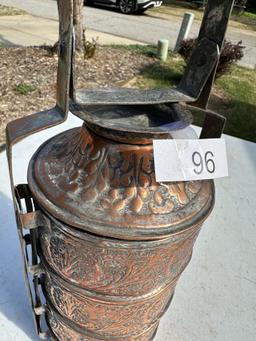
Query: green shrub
230, 54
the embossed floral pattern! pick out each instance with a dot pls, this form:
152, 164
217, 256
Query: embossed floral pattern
115, 269
64, 333
119, 179
120, 318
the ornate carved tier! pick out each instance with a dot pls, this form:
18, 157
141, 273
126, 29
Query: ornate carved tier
105, 288
115, 267
61, 330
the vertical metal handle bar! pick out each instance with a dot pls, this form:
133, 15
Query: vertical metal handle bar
211, 37
215, 21
31, 267
213, 125
25, 126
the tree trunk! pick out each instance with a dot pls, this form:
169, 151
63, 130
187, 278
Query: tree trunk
78, 23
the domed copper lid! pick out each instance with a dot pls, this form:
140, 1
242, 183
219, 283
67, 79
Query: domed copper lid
108, 188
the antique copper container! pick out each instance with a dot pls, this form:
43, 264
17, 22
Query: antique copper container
103, 240
115, 241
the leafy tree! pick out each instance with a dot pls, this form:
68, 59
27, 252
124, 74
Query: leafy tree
230, 54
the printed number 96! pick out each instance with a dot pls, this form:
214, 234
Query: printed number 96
208, 163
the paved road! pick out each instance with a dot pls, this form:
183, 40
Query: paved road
139, 27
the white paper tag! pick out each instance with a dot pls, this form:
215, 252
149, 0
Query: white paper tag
184, 160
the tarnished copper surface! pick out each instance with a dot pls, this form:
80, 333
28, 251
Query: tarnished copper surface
61, 330
115, 241
115, 267
104, 240
108, 288
105, 316
109, 188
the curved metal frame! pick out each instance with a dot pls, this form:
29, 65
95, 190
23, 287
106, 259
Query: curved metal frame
196, 83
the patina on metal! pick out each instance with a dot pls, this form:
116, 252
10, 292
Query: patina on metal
99, 236
117, 241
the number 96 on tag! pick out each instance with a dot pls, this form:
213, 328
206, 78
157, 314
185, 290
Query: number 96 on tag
184, 160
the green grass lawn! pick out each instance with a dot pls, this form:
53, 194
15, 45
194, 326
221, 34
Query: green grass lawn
176, 8
240, 86
234, 94
7, 10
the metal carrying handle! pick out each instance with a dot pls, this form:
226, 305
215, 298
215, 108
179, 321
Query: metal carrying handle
213, 30
196, 83
25, 126
18, 130
212, 33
